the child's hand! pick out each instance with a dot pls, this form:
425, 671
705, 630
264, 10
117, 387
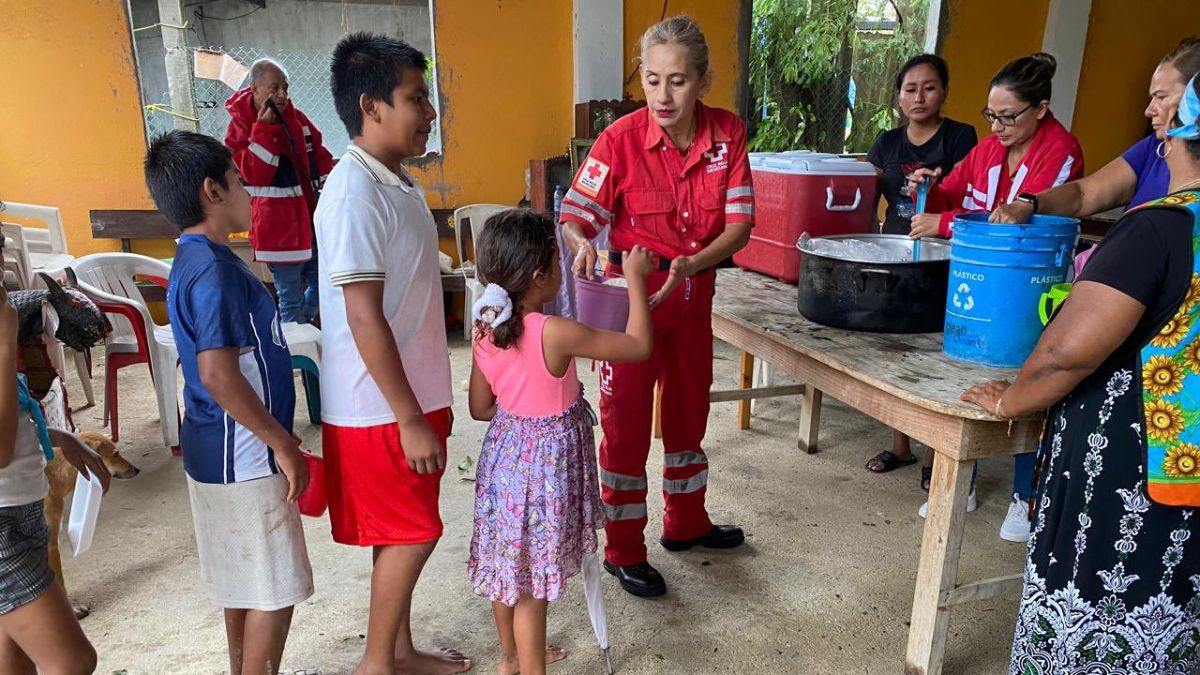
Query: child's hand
83, 458
294, 468
637, 263
421, 446
8, 320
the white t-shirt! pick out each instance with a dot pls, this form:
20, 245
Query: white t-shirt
373, 224
23, 481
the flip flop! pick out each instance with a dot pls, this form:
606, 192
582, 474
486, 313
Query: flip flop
889, 461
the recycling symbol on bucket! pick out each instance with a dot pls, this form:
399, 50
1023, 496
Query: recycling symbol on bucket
960, 303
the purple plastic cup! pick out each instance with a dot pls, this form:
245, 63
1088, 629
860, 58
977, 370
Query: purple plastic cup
601, 306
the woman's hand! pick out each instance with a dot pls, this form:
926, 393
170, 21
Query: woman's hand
585, 260
921, 175
681, 268
1015, 213
925, 225
987, 396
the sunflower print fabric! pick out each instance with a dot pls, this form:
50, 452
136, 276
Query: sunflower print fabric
1171, 390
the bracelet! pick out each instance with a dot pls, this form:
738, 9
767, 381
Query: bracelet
998, 413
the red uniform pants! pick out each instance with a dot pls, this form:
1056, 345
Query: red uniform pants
682, 362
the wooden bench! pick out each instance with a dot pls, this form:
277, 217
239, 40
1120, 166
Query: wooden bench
128, 225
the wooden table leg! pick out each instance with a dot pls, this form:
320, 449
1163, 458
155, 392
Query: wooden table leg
937, 570
657, 415
810, 419
746, 382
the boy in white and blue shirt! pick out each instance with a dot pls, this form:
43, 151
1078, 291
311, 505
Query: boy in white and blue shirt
243, 463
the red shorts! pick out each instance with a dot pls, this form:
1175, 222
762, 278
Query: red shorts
374, 498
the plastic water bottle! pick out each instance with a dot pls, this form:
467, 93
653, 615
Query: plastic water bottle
558, 197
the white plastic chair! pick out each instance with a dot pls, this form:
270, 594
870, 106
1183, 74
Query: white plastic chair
18, 270
109, 279
47, 245
304, 342
474, 216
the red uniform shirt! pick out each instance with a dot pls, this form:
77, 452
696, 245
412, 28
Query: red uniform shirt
981, 181
653, 195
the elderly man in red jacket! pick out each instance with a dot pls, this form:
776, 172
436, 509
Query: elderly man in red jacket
279, 153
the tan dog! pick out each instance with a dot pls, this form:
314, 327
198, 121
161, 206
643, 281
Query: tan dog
61, 476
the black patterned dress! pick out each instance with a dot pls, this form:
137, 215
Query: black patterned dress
1112, 581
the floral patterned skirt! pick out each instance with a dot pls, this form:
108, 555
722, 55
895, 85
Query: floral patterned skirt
537, 504
1112, 581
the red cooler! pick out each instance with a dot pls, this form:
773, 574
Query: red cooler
797, 192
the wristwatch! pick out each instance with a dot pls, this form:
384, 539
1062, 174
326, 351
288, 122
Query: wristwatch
1030, 199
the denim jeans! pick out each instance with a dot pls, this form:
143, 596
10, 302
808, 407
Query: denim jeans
1022, 484
1023, 475
296, 302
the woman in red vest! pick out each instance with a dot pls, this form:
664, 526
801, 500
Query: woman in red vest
1029, 151
673, 177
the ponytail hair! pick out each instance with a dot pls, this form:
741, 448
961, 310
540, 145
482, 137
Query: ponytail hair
515, 245
1029, 78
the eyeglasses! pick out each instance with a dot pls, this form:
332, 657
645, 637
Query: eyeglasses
1005, 120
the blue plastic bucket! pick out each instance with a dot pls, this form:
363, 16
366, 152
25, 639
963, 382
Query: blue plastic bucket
998, 274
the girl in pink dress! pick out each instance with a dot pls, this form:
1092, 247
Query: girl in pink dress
537, 497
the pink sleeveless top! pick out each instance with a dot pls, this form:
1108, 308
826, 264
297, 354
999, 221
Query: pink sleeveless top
519, 378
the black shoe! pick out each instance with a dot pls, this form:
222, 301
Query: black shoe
641, 579
720, 536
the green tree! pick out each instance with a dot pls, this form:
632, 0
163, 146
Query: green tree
803, 53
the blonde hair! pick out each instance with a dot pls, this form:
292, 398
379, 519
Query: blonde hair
683, 31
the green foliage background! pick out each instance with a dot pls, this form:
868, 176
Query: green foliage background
803, 54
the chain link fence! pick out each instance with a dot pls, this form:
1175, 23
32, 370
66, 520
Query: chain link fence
308, 87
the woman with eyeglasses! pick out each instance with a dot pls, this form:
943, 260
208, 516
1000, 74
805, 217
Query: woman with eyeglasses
1140, 173
1029, 151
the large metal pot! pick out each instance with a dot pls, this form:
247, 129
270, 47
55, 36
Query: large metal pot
880, 297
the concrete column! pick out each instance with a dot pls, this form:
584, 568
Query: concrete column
933, 26
1065, 37
179, 73
599, 30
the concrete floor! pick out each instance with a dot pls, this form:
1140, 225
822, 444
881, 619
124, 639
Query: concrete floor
824, 584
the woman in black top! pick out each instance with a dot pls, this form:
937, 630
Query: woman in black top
927, 139
1112, 578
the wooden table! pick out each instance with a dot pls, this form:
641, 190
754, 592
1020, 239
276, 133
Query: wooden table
905, 382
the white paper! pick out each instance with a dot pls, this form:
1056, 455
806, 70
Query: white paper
85, 511
213, 65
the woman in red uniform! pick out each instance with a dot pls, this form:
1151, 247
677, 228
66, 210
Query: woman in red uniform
1029, 151
673, 177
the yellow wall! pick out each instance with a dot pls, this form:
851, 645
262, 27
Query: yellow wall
718, 20
1118, 62
978, 38
71, 130
1125, 40
504, 101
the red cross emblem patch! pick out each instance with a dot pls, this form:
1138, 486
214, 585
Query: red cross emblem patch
591, 177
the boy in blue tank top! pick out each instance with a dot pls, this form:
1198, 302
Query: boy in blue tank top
243, 464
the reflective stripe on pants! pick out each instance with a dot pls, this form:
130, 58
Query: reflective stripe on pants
682, 361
